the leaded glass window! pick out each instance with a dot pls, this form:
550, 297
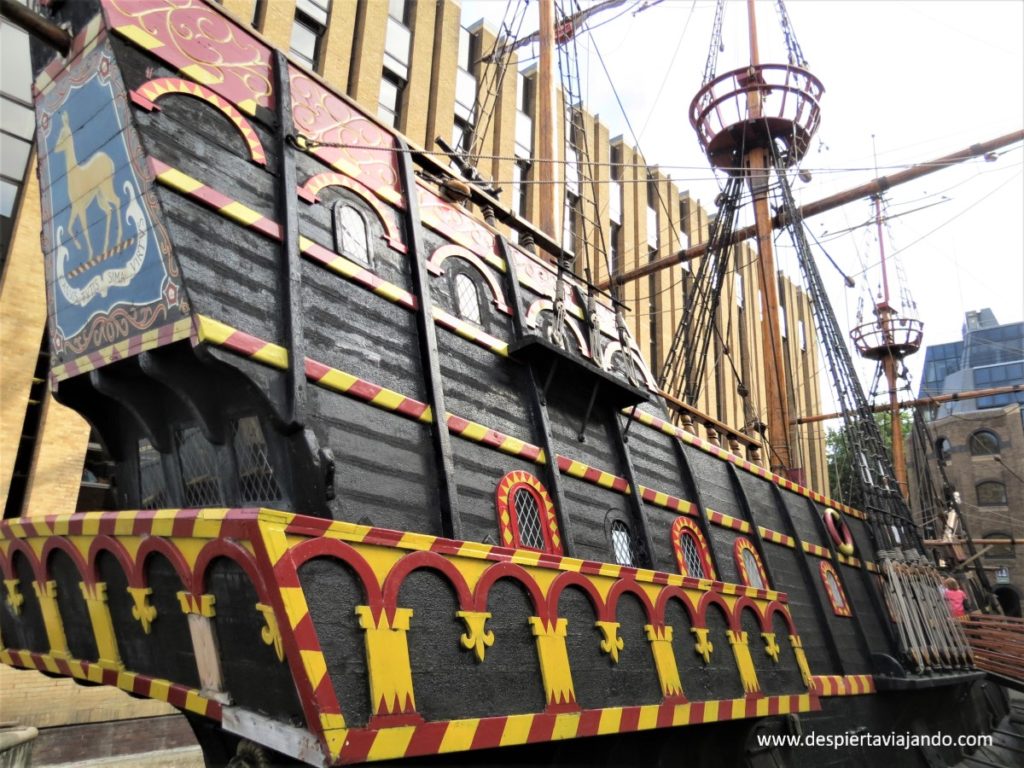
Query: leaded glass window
467, 301
256, 474
198, 468
527, 512
350, 234
692, 556
753, 570
622, 544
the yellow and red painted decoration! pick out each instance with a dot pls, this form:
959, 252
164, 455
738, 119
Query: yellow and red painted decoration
271, 546
843, 685
834, 589
214, 332
741, 548
509, 515
242, 76
684, 527
146, 95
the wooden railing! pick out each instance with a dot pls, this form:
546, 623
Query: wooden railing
998, 645
715, 432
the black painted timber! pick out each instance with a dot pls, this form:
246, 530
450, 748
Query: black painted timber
451, 521
872, 589
538, 405
702, 513
755, 534
534, 348
639, 511
813, 593
288, 214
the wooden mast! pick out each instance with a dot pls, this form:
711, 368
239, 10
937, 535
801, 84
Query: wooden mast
758, 171
885, 314
546, 218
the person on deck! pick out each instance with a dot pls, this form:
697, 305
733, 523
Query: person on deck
955, 597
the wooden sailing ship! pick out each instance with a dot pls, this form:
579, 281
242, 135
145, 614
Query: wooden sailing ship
369, 505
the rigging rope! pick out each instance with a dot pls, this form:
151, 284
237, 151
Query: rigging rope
796, 55
683, 372
716, 46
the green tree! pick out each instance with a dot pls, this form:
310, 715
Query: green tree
844, 476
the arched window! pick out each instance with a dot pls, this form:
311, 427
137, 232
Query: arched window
834, 590
984, 442
1000, 550
467, 300
526, 514
623, 545
351, 234
991, 493
749, 564
943, 449
691, 549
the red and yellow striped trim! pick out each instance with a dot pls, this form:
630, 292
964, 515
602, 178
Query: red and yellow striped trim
490, 732
206, 523
247, 217
227, 207
668, 428
274, 355
239, 522
850, 560
310, 526
776, 538
816, 550
151, 339
140, 685
788, 541
727, 521
843, 685
667, 501
592, 475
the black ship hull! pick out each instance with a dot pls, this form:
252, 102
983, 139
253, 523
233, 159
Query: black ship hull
366, 508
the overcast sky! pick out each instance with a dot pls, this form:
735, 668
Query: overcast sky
924, 78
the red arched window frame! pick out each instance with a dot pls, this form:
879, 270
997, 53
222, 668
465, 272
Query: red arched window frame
518, 488
682, 529
834, 589
744, 553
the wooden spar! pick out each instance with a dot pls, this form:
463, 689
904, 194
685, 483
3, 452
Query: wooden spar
877, 186
934, 400
41, 29
775, 374
567, 27
545, 131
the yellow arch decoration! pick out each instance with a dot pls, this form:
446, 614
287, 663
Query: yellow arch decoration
146, 95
